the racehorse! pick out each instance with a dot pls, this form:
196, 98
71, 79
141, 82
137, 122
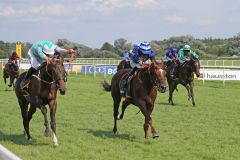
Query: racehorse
11, 70
42, 89
143, 91
123, 64
185, 76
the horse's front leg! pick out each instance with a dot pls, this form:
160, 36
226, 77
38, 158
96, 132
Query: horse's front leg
10, 82
53, 108
153, 130
44, 112
192, 94
172, 87
143, 108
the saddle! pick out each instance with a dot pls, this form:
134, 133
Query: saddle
125, 83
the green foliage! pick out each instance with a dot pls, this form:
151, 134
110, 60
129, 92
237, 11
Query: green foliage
121, 46
206, 48
84, 120
107, 47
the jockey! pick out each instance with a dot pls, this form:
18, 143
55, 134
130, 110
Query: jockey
141, 55
172, 60
127, 56
172, 54
12, 57
185, 54
39, 53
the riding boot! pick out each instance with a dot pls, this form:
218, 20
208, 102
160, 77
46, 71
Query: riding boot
130, 76
26, 79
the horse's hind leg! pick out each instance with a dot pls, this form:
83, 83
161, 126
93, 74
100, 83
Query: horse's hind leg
24, 112
124, 106
116, 102
47, 130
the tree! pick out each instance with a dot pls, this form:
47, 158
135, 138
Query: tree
121, 46
107, 47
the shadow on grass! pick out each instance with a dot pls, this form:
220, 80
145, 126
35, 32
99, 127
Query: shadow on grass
18, 139
109, 134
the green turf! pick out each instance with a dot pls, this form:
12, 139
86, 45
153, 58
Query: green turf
209, 131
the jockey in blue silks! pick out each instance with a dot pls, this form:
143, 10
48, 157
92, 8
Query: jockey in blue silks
141, 55
127, 55
172, 60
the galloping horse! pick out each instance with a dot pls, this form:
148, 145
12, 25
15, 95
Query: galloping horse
185, 76
42, 90
143, 90
123, 64
11, 70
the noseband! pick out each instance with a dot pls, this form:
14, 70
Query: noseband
154, 79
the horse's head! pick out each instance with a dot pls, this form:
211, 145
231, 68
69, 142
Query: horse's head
195, 63
158, 75
58, 73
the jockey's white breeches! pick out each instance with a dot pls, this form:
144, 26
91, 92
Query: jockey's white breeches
35, 62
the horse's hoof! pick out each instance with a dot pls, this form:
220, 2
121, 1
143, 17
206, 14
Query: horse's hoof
155, 136
55, 144
119, 117
47, 133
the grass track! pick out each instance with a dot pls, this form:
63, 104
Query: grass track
209, 131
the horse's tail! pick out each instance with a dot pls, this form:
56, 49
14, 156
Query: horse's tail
107, 87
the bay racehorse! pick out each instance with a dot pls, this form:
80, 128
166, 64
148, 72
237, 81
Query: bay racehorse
42, 89
143, 91
123, 64
185, 76
11, 70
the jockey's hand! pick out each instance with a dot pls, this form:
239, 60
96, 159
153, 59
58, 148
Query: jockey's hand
47, 59
71, 51
144, 65
188, 59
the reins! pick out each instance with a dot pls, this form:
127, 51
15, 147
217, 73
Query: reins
43, 80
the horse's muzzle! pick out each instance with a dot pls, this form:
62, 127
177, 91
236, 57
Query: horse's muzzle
62, 92
62, 87
162, 88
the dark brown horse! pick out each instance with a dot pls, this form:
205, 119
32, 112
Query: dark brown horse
185, 76
123, 64
11, 70
144, 88
42, 90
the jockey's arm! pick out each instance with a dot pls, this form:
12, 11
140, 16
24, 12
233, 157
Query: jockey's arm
181, 56
64, 51
194, 54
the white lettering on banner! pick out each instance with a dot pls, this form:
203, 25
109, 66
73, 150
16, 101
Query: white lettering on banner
220, 75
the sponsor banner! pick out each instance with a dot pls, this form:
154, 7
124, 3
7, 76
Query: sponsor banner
220, 74
99, 69
68, 67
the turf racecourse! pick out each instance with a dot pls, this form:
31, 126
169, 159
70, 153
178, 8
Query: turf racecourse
209, 131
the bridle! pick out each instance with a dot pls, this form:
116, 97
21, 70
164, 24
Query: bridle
154, 79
